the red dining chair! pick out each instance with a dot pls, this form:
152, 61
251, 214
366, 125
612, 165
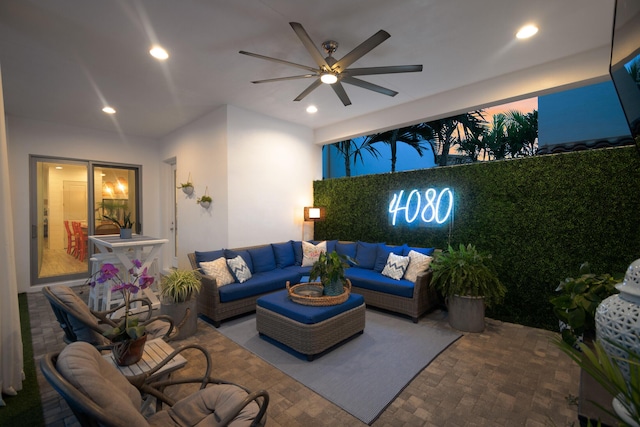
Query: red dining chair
71, 240
81, 240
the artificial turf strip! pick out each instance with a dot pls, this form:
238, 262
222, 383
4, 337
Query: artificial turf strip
24, 409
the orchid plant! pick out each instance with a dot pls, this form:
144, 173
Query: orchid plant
138, 280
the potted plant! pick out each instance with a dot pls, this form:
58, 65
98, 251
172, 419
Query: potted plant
330, 269
126, 226
178, 290
204, 201
469, 282
576, 303
187, 187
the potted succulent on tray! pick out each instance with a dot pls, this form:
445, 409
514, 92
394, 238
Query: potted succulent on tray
126, 226
330, 269
468, 281
178, 290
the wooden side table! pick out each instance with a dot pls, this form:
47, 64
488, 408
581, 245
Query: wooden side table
155, 351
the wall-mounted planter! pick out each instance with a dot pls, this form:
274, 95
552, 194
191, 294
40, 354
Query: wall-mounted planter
187, 187
205, 200
205, 204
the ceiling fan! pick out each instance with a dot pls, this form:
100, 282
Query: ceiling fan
335, 72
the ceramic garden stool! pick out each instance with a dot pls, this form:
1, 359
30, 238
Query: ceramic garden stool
309, 330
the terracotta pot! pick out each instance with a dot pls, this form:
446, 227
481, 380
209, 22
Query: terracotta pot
129, 352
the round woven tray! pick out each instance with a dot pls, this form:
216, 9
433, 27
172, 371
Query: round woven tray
323, 300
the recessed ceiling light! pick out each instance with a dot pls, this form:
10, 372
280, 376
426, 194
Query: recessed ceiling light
527, 31
109, 110
159, 53
58, 167
312, 109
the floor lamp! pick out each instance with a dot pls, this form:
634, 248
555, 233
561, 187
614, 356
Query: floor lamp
312, 214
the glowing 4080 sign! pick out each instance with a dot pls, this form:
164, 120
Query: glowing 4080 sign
428, 208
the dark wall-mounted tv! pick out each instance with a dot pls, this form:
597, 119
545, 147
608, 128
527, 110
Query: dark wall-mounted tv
625, 61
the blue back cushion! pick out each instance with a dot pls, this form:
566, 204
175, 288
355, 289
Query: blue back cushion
346, 249
383, 253
208, 256
424, 251
366, 254
297, 250
263, 259
285, 256
230, 254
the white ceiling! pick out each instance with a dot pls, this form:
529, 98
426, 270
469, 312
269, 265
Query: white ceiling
63, 59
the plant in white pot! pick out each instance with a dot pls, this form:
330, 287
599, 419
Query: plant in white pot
178, 290
469, 282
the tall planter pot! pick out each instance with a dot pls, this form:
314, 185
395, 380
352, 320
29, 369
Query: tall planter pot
466, 313
184, 315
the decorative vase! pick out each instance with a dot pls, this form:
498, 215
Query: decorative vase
125, 233
129, 352
334, 288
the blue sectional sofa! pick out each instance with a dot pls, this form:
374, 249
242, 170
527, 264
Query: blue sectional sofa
272, 265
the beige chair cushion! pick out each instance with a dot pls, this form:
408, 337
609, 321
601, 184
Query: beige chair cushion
83, 366
79, 324
206, 408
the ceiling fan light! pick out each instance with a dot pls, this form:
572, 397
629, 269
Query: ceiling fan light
328, 78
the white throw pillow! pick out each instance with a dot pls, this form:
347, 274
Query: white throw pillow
239, 269
396, 266
219, 270
311, 252
418, 263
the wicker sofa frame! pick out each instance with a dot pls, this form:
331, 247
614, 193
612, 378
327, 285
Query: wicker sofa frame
424, 299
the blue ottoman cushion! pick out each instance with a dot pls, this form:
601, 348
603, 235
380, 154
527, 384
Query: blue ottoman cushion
279, 302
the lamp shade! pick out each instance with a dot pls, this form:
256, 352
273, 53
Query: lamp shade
313, 214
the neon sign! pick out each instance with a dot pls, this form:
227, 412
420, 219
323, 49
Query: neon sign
428, 208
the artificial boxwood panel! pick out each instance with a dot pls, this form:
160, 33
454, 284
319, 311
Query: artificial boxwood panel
540, 218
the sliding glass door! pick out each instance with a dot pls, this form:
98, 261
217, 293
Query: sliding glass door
70, 200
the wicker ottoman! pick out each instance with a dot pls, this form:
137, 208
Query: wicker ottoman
306, 329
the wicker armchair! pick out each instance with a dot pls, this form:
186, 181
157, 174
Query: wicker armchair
80, 323
99, 395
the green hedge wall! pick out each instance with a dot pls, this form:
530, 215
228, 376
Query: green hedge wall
540, 217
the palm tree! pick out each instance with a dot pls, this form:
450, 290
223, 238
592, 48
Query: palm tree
495, 139
415, 136
470, 124
353, 149
521, 132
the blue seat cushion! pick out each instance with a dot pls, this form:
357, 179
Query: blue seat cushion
382, 254
208, 256
259, 283
279, 302
262, 258
424, 251
285, 256
369, 279
366, 254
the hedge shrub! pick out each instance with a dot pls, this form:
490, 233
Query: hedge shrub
540, 217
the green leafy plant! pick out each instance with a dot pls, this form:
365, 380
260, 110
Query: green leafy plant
186, 184
180, 285
204, 199
329, 268
607, 372
467, 272
126, 221
575, 305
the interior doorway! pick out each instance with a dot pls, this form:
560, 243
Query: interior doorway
69, 200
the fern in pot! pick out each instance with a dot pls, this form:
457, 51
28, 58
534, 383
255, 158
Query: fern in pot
468, 280
178, 290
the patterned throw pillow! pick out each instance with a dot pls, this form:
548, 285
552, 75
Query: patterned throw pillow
239, 269
219, 270
311, 252
395, 267
417, 264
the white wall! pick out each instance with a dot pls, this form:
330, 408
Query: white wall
272, 166
30, 137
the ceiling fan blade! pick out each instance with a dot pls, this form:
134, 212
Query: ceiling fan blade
361, 50
280, 61
311, 47
278, 79
339, 90
383, 70
370, 86
308, 90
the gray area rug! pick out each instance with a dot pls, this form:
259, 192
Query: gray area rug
365, 374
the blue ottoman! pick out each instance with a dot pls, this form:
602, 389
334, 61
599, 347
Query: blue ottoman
309, 330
